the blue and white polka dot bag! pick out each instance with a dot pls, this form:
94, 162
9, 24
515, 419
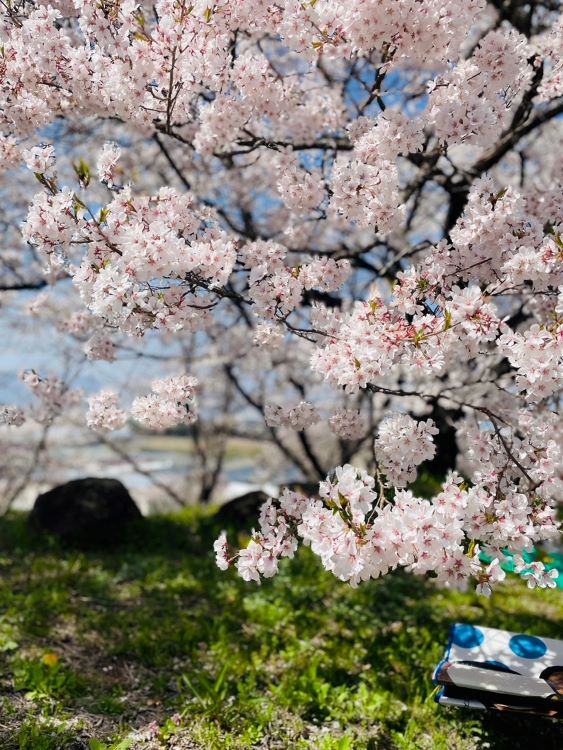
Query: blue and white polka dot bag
489, 668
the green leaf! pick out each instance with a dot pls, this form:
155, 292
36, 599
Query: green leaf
83, 172
47, 182
496, 197
8, 645
97, 745
77, 204
419, 336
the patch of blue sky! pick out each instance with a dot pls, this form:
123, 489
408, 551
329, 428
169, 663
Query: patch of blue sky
394, 91
31, 344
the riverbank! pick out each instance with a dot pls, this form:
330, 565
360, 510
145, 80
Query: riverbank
164, 477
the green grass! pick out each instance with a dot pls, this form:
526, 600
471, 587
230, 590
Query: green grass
95, 646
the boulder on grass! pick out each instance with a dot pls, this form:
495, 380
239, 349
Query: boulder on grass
309, 489
242, 511
85, 512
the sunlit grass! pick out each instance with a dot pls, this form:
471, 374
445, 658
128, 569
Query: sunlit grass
94, 645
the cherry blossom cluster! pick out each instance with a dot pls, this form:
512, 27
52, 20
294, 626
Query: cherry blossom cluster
536, 574
120, 64
52, 396
537, 355
100, 346
361, 203
275, 539
131, 246
298, 417
358, 535
11, 415
268, 336
171, 402
157, 262
401, 445
499, 233
365, 189
9, 151
104, 413
348, 424
107, 164
40, 158
276, 289
471, 104
300, 189
360, 346
549, 46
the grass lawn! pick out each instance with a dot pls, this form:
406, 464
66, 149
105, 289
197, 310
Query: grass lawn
105, 645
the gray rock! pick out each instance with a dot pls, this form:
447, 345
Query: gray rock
242, 511
310, 489
85, 512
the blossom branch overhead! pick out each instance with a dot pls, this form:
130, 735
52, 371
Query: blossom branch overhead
352, 209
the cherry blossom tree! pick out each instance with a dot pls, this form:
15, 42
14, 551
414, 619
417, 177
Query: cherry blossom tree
350, 212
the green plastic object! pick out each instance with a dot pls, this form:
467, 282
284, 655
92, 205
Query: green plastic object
550, 560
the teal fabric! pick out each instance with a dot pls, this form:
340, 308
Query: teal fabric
550, 560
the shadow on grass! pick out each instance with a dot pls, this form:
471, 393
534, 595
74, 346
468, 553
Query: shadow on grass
302, 643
